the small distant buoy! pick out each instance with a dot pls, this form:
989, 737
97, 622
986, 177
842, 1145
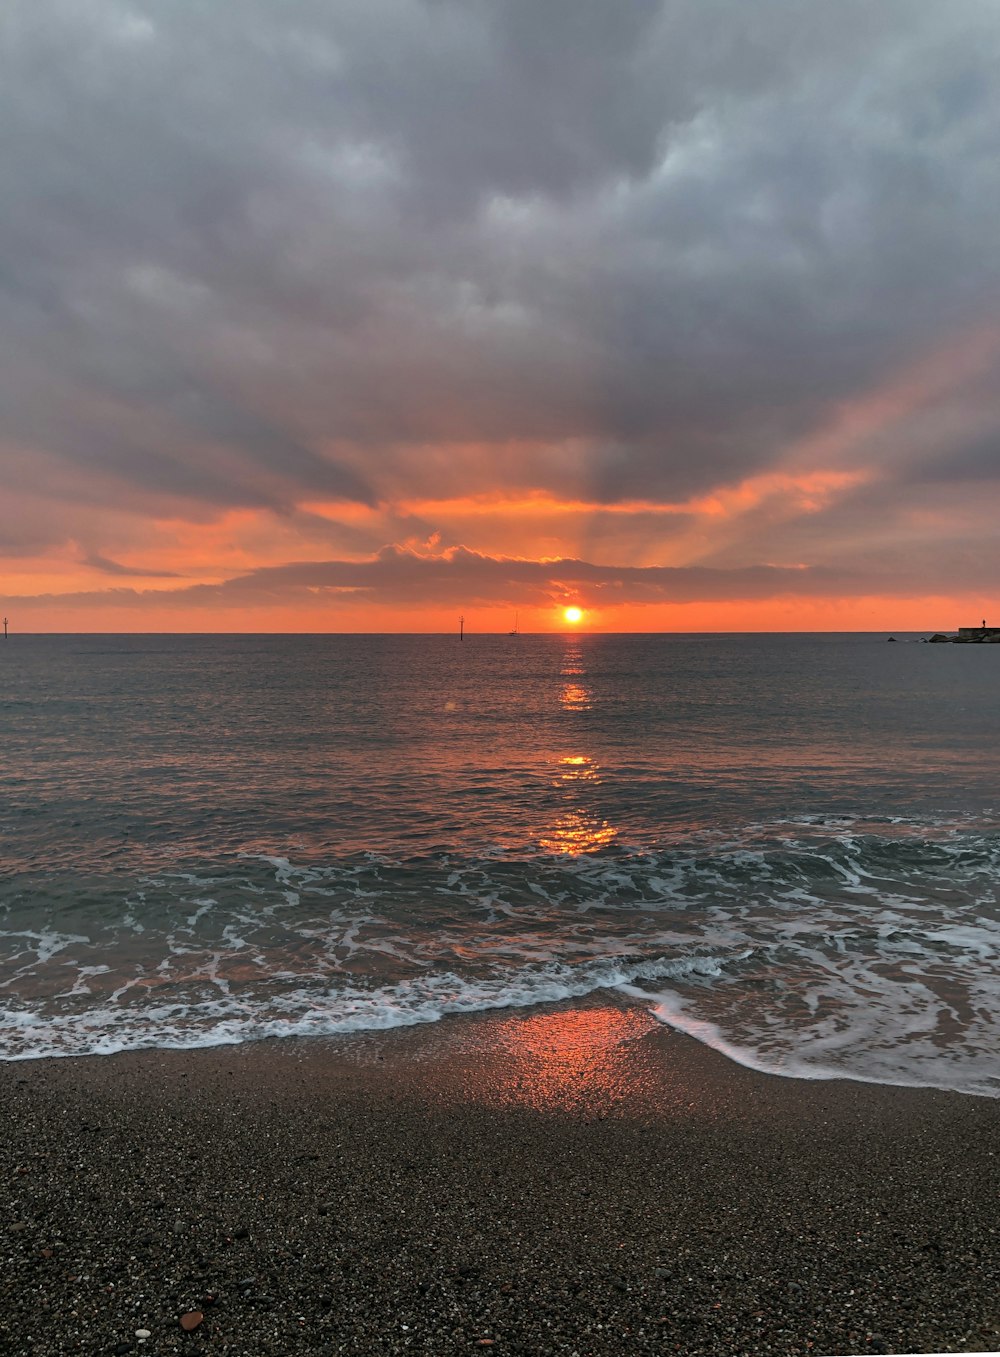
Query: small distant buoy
892, 638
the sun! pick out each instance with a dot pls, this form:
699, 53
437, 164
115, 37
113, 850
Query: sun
573, 614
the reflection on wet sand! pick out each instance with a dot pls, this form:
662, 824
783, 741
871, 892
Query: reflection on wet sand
559, 1059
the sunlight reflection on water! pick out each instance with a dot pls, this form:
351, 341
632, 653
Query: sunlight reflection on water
578, 830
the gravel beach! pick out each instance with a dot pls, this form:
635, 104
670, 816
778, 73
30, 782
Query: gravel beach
563, 1180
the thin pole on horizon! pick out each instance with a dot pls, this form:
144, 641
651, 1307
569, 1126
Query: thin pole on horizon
5, 629
461, 628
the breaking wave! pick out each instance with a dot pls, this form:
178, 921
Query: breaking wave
809, 947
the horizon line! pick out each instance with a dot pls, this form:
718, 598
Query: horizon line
574, 631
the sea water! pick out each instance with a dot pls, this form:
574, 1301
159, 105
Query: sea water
786, 846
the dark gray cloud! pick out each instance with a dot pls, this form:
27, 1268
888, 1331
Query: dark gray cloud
969, 459
257, 254
462, 578
109, 567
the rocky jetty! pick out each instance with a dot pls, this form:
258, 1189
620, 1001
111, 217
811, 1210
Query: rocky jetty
967, 636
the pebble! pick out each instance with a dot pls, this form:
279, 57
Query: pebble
191, 1320
543, 1287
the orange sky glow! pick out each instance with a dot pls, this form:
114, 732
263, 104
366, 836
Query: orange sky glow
777, 615
640, 334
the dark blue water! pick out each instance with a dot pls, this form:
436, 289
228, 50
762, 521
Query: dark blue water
787, 845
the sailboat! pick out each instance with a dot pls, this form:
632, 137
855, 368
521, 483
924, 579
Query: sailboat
515, 632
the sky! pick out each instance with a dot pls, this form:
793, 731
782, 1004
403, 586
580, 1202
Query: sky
359, 315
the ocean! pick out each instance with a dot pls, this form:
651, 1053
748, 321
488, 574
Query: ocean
786, 846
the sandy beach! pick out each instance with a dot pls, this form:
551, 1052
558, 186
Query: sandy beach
567, 1180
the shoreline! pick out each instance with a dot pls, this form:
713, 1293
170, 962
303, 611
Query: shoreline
573, 1178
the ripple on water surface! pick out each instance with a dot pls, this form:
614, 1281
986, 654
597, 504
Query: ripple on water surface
804, 947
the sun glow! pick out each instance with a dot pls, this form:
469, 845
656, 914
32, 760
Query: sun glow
573, 614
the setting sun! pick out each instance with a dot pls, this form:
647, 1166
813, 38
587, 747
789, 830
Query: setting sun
573, 614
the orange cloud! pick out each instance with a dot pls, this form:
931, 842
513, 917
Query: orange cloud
754, 532
808, 491
538, 524
805, 492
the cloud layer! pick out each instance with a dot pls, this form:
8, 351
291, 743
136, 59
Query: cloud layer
496, 302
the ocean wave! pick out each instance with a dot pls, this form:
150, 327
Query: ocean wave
110, 1029
807, 946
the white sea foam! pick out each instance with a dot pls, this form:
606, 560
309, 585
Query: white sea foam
897, 1063
802, 948
219, 1022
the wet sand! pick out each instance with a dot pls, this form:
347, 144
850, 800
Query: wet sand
561, 1180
